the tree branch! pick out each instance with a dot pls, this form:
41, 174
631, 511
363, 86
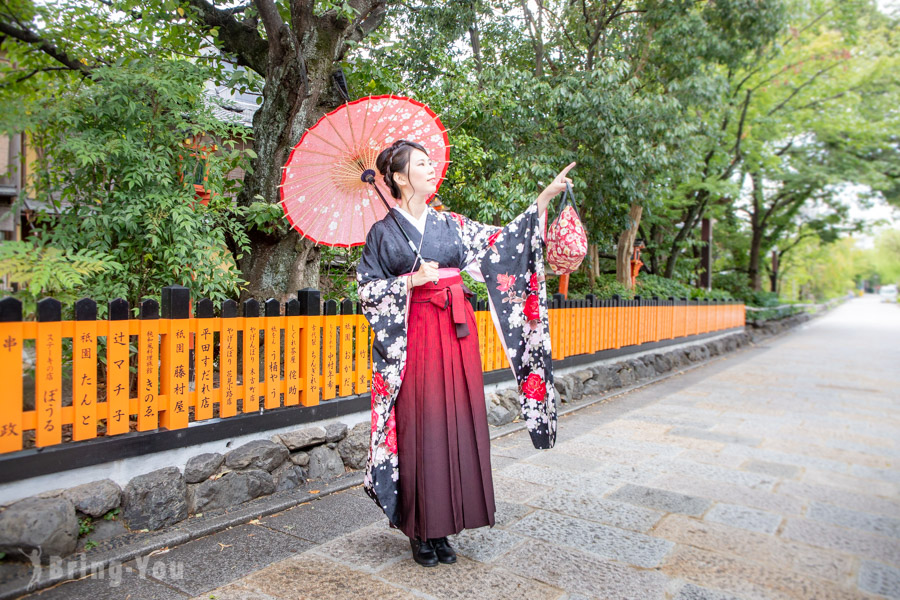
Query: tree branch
272, 23
800, 87
240, 39
28, 36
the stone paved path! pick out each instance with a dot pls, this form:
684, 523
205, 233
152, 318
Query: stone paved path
773, 473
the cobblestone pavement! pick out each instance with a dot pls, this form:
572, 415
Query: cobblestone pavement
772, 473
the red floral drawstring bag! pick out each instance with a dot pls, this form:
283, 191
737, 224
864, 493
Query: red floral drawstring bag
566, 237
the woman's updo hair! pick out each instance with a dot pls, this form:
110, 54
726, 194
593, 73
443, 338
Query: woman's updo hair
395, 159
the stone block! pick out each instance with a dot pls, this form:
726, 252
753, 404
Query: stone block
354, 449
583, 375
880, 579
771, 468
155, 500
499, 415
661, 500
744, 517
288, 476
324, 463
581, 574
230, 489
259, 454
202, 466
695, 592
47, 525
300, 458
862, 544
594, 508
96, 498
335, 432
303, 438
872, 523
661, 363
607, 542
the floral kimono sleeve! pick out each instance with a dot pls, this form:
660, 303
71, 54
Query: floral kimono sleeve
384, 301
512, 264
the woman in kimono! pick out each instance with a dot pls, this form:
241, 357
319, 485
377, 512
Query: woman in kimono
429, 460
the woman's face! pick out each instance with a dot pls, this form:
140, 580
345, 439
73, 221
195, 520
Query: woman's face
421, 178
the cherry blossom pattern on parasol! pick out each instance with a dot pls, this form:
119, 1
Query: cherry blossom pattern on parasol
322, 191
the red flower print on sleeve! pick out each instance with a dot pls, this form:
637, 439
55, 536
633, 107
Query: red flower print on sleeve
506, 282
534, 387
390, 439
494, 236
532, 308
533, 284
379, 385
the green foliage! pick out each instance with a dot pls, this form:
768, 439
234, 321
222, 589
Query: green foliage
113, 153
85, 526
112, 515
266, 217
337, 278
90, 545
44, 271
478, 287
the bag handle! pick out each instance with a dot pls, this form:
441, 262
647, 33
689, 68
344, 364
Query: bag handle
570, 196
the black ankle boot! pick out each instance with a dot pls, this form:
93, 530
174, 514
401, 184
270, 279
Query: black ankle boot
445, 552
423, 552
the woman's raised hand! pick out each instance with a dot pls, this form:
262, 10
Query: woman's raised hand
556, 186
427, 273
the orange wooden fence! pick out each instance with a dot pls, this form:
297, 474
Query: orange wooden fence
246, 363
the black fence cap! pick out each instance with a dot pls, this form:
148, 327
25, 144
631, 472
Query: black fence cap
229, 309
310, 301
85, 310
251, 308
149, 309
205, 309
273, 308
176, 302
330, 307
10, 310
49, 310
347, 307
292, 308
117, 310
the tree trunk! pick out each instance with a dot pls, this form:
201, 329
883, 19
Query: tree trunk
694, 214
753, 272
295, 95
626, 245
594, 258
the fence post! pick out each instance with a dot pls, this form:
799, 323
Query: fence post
329, 350
118, 356
174, 354
228, 351
48, 374
348, 324
11, 374
272, 361
292, 352
593, 333
204, 312
363, 347
310, 345
149, 368
250, 356
84, 371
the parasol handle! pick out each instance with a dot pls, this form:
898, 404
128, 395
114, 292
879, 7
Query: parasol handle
368, 176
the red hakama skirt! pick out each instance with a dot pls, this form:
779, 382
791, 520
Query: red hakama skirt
442, 430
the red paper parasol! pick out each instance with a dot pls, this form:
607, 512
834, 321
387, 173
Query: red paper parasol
322, 191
